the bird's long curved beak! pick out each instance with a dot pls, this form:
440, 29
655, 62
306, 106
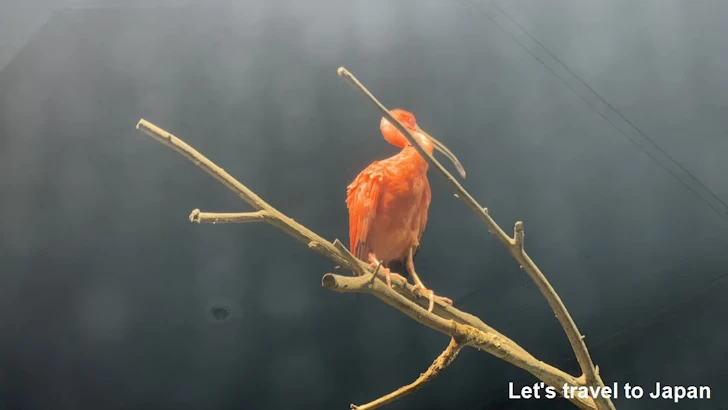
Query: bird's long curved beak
446, 152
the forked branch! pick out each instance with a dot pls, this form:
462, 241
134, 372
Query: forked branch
463, 328
288, 225
514, 245
492, 342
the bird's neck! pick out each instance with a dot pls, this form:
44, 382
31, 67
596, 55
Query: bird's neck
413, 157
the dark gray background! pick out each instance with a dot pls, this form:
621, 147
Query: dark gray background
602, 125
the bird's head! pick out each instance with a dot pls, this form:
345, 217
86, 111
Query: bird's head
394, 137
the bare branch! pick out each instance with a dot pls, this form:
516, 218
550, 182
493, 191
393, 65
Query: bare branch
228, 218
294, 229
553, 299
491, 341
463, 327
442, 361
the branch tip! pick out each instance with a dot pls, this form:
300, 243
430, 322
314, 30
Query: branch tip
328, 281
518, 235
230, 217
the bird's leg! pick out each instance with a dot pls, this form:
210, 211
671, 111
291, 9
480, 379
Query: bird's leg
388, 275
420, 287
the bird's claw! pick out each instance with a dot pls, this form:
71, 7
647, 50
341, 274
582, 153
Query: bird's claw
388, 275
429, 294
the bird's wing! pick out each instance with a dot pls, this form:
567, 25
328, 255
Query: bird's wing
362, 198
424, 206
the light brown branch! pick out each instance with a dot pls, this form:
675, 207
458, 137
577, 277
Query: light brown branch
461, 326
490, 341
442, 361
283, 222
515, 246
293, 228
228, 218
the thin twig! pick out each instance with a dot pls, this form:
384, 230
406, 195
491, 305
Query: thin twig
462, 326
442, 361
518, 235
515, 246
228, 218
353, 261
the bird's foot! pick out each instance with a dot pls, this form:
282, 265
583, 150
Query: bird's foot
429, 294
388, 275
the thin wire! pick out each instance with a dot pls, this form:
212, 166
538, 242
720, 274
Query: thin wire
719, 206
723, 214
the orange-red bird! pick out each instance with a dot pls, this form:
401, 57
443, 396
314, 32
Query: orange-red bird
388, 203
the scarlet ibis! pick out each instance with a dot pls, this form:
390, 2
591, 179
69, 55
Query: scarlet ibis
388, 204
